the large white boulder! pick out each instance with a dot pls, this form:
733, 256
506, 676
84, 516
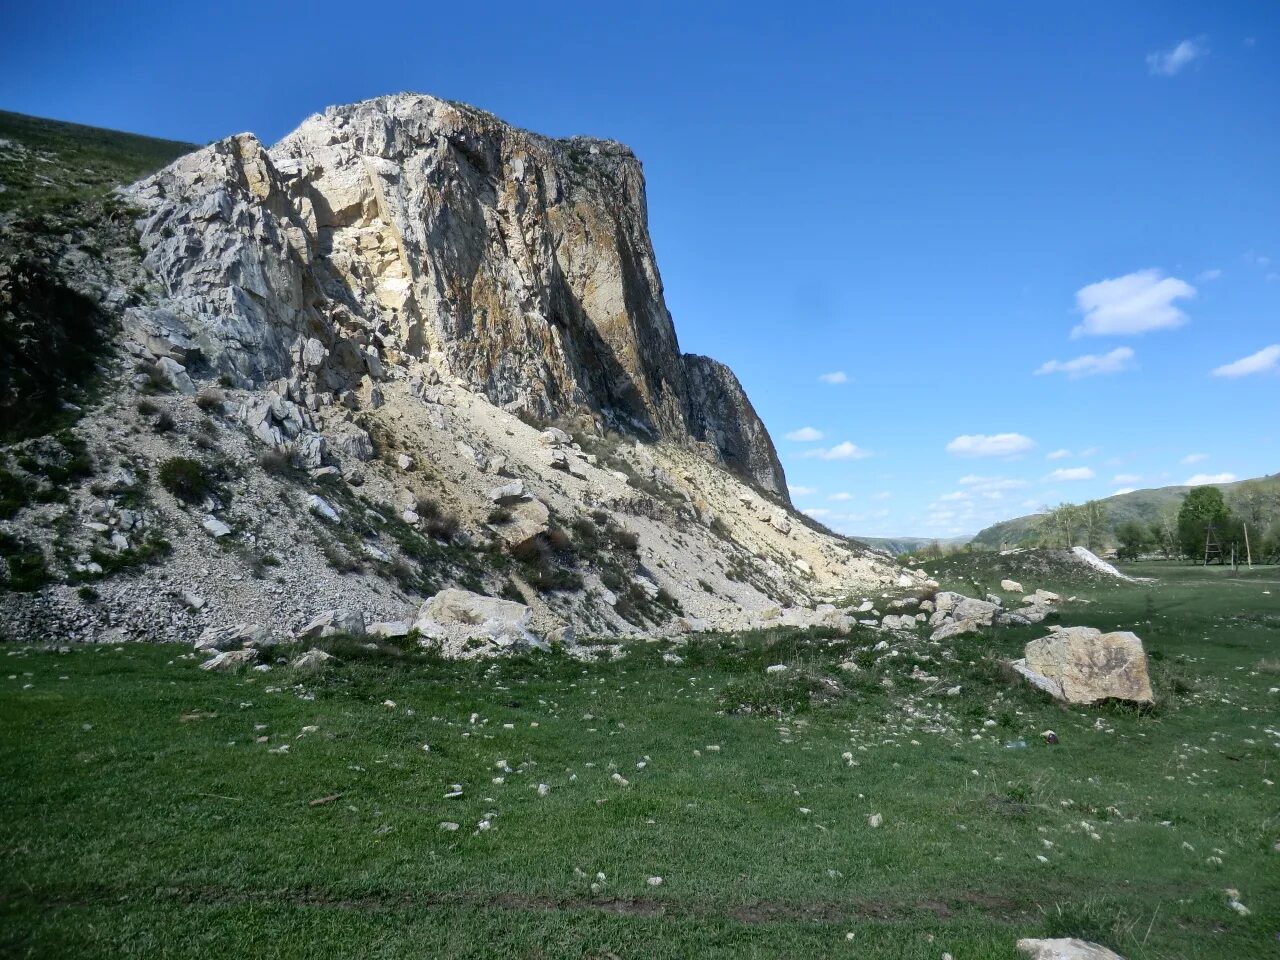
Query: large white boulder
466, 624
1065, 948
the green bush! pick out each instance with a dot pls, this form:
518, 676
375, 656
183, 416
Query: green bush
25, 563
188, 480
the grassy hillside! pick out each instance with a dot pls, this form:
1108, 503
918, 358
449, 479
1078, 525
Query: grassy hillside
1144, 506
47, 164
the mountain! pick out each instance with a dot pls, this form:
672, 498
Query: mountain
896, 546
1144, 506
407, 352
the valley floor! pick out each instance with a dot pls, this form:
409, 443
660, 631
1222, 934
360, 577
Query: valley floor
153, 809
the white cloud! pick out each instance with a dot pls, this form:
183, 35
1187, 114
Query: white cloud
954, 497
817, 512
801, 491
1200, 479
1116, 493
804, 435
1169, 63
1089, 452
1058, 455
1126, 478
1072, 473
1268, 358
1089, 365
1191, 458
1204, 276
882, 495
841, 451
1135, 303
841, 496
835, 376
989, 445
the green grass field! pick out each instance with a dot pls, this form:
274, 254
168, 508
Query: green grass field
152, 809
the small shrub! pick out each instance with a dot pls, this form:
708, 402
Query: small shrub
27, 569
210, 400
498, 516
164, 423
15, 493
188, 480
274, 462
426, 508
87, 594
339, 559
443, 527
147, 407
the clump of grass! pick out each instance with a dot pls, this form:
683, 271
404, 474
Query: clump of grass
164, 423
188, 480
275, 462
498, 516
25, 566
147, 407
546, 560
210, 400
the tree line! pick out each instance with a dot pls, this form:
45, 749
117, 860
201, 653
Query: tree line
1248, 519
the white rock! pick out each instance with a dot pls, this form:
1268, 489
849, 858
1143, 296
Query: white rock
215, 527
321, 508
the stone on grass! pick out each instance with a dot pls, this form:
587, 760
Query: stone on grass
313, 661
954, 628
1084, 665
1065, 948
331, 622
1010, 586
231, 660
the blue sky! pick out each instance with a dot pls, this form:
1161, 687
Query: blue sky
948, 204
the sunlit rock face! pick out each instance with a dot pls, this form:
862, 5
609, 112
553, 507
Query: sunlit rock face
408, 235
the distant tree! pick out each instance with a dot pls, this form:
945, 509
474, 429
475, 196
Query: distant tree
1164, 533
1256, 503
1201, 509
1093, 520
1059, 526
1132, 538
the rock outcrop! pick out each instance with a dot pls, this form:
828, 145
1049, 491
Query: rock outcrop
413, 232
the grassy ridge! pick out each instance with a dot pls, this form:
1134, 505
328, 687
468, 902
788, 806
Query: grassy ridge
143, 818
66, 162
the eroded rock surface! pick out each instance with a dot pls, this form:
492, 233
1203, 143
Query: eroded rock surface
409, 226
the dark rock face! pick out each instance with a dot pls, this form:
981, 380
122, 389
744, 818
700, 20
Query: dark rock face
407, 232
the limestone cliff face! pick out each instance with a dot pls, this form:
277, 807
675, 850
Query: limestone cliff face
407, 233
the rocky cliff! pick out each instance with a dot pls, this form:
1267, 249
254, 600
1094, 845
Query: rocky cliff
413, 233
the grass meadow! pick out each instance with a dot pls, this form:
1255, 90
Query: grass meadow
657, 800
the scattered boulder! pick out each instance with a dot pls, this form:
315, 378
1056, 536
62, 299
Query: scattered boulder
313, 661
231, 660
215, 527
1011, 586
331, 622
389, 629
1065, 948
508, 493
322, 508
1084, 665
982, 612
954, 628
230, 637
467, 624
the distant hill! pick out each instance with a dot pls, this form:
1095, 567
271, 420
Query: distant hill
1144, 506
44, 164
900, 545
